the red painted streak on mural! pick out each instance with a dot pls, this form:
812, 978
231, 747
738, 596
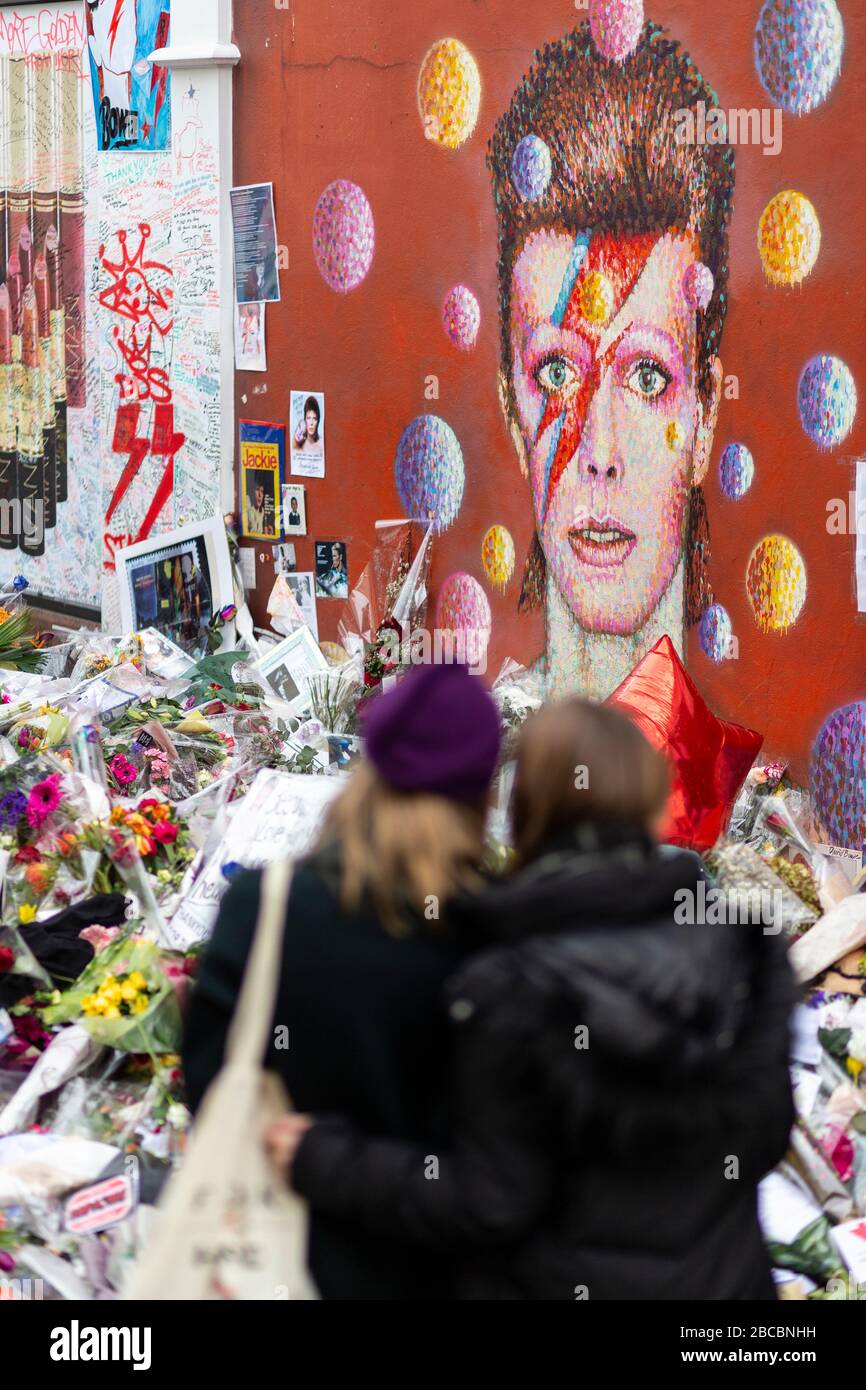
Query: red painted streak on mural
139, 295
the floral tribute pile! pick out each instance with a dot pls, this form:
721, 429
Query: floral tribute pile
137, 779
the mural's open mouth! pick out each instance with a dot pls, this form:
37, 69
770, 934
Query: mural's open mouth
602, 543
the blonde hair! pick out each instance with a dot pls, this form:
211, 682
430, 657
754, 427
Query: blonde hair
405, 849
583, 763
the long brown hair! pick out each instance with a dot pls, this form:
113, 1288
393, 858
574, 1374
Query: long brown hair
582, 763
406, 849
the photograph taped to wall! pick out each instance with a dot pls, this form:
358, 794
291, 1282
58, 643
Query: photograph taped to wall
303, 586
131, 96
285, 559
250, 346
294, 510
332, 573
308, 434
255, 243
262, 458
176, 583
291, 665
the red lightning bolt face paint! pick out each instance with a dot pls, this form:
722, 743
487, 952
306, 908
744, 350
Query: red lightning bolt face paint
115, 21
607, 275
604, 340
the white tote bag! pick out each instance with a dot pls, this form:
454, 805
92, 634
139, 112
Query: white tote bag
228, 1226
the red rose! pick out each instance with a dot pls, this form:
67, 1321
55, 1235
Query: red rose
28, 855
164, 832
7, 959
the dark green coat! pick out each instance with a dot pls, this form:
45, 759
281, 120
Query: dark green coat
368, 1039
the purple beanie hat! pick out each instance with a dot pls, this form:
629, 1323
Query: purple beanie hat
436, 731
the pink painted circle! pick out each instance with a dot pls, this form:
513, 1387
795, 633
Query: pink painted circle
461, 317
699, 285
344, 236
616, 27
463, 618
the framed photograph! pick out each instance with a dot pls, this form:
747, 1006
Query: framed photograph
332, 573
294, 511
308, 434
176, 582
303, 586
289, 667
263, 462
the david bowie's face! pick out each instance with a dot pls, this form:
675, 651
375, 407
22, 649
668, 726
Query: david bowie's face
603, 338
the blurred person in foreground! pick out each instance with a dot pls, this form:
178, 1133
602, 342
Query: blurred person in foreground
368, 945
621, 1081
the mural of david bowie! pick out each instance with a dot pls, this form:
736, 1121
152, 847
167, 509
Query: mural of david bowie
612, 288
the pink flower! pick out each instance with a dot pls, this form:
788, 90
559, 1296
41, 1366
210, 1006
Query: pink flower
7, 959
122, 770
99, 937
178, 977
43, 801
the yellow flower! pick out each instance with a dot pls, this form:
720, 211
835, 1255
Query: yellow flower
140, 1003
128, 992
89, 1004
112, 1011
137, 980
118, 815
26, 913
854, 1067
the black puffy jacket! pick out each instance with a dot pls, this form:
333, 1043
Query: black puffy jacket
621, 1086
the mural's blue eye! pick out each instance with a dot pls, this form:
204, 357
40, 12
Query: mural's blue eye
648, 379
555, 375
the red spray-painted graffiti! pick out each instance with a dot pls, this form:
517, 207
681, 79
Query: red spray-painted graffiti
139, 295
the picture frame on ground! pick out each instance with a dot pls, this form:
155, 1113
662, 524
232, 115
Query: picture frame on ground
176, 582
289, 667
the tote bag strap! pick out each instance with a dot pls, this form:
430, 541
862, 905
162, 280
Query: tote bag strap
248, 1032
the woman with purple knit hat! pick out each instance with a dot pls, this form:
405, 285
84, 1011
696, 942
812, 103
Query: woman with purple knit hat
370, 939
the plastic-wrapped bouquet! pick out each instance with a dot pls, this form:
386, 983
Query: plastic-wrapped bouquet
124, 999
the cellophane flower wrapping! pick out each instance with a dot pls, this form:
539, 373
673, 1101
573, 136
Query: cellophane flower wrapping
128, 978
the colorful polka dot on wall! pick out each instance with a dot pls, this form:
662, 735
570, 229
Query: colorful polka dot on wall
463, 617
344, 236
715, 632
449, 93
736, 471
698, 285
776, 583
461, 317
827, 401
428, 471
531, 168
616, 27
789, 238
798, 50
498, 556
838, 782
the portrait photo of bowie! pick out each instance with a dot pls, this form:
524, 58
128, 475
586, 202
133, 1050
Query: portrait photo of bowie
612, 270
